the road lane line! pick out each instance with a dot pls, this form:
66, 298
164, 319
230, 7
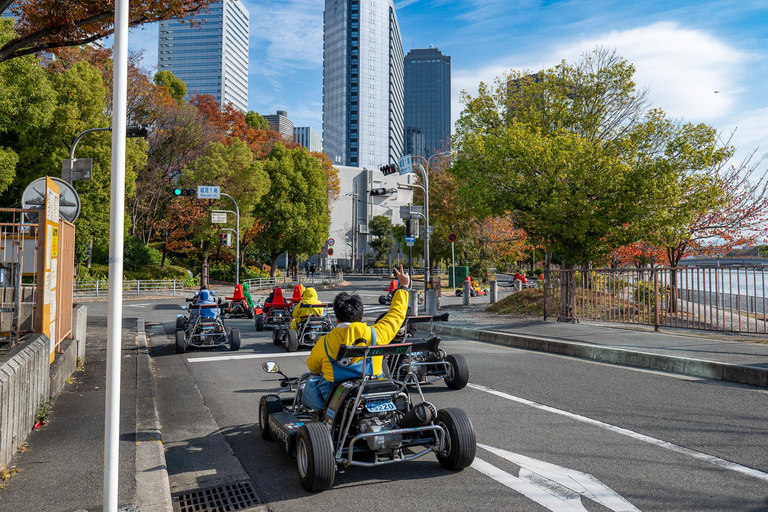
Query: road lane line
553, 477
244, 356
716, 461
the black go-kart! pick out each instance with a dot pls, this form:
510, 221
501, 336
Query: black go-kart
204, 330
308, 332
431, 364
365, 422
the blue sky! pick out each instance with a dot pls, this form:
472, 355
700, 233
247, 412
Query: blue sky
683, 50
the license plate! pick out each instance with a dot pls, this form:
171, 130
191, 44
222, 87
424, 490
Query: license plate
380, 406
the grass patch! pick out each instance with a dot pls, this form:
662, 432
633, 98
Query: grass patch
45, 410
526, 303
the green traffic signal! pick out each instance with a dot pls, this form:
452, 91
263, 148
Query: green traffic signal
177, 191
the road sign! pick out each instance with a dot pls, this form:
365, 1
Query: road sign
405, 164
218, 217
208, 192
33, 198
330, 251
452, 237
410, 240
331, 241
78, 169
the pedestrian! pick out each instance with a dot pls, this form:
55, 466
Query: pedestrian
306, 268
312, 270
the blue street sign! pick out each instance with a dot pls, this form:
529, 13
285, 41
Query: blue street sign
410, 239
405, 165
208, 192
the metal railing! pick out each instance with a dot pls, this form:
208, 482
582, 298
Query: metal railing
132, 287
725, 299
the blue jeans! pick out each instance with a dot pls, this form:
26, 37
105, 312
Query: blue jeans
315, 392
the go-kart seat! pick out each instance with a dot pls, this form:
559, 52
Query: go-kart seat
278, 301
296, 298
238, 296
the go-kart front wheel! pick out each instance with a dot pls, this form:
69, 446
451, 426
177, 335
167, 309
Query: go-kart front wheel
179, 322
234, 340
314, 457
249, 312
382, 300
260, 323
460, 442
269, 404
292, 341
181, 342
459, 375
277, 337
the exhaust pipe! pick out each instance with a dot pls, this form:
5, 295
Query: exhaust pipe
423, 414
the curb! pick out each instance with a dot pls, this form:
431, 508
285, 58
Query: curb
153, 489
742, 374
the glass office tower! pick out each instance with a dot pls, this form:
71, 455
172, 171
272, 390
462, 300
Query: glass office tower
362, 83
427, 102
212, 57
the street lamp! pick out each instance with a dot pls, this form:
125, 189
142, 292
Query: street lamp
132, 131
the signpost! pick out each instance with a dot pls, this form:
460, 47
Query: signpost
410, 240
405, 164
452, 237
218, 217
330, 251
208, 192
331, 241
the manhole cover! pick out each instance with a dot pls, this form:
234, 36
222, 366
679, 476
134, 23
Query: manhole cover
224, 498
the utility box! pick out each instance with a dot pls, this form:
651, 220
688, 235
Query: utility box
461, 274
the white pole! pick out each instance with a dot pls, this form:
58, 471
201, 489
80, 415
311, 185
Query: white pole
116, 224
453, 268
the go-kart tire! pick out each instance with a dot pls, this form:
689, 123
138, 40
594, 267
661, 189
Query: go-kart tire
269, 404
460, 441
382, 300
260, 323
234, 340
181, 341
249, 312
314, 457
292, 341
277, 337
460, 372
179, 322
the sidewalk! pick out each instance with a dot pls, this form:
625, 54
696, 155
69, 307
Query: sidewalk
62, 465
734, 358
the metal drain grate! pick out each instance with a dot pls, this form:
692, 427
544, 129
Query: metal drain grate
224, 498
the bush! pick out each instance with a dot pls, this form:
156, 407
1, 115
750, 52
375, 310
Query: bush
137, 255
644, 293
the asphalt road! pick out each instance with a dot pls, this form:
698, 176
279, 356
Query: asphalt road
554, 433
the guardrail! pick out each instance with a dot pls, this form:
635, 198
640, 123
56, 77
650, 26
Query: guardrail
132, 288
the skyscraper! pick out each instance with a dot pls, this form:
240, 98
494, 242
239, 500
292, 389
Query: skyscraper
212, 57
427, 102
279, 122
362, 83
308, 137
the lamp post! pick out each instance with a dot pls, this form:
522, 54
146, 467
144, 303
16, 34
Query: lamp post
131, 131
237, 232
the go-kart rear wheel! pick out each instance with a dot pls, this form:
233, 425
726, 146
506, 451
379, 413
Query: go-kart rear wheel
460, 442
382, 300
269, 404
260, 323
459, 376
179, 322
249, 312
292, 341
181, 341
277, 336
234, 340
314, 457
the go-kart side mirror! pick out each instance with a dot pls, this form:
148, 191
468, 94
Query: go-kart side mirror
270, 367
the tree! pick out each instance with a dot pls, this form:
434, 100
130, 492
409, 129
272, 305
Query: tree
47, 24
176, 86
294, 214
255, 121
380, 228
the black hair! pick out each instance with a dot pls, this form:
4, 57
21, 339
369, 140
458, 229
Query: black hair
348, 308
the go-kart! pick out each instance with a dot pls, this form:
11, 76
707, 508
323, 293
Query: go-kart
181, 320
276, 313
431, 364
237, 306
205, 329
366, 422
473, 291
310, 329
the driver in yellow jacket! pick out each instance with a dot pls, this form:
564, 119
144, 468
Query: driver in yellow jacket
299, 313
350, 328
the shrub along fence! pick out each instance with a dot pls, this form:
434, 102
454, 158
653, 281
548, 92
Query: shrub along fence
726, 299
97, 288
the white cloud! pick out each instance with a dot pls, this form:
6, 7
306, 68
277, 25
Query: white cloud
682, 67
292, 31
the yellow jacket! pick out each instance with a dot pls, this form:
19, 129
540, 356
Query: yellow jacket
348, 333
299, 313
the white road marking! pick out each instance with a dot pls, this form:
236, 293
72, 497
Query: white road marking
564, 482
716, 461
136, 305
244, 356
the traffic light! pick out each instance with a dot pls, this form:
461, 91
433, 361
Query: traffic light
412, 227
223, 238
378, 192
388, 169
185, 192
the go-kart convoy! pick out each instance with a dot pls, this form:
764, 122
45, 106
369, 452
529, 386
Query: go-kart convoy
365, 420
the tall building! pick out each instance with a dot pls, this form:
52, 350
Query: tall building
309, 138
427, 102
362, 83
212, 57
279, 122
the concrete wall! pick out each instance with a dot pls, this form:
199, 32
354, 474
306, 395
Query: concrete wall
24, 382
79, 323
63, 366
